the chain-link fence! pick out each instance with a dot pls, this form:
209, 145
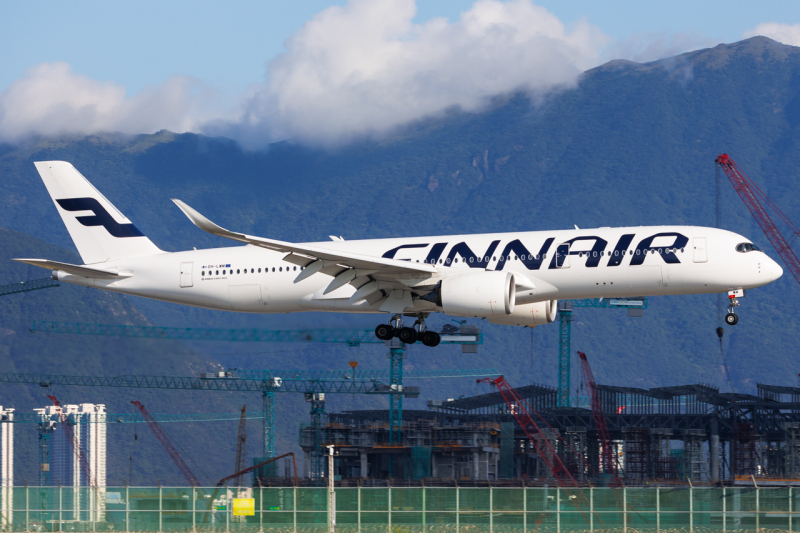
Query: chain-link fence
404, 510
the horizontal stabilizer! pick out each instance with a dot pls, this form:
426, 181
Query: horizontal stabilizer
77, 270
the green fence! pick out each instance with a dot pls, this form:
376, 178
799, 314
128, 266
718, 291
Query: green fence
368, 510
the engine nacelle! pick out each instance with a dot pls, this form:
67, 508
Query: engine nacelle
480, 294
535, 314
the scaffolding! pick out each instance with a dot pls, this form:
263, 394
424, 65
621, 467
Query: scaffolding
636, 454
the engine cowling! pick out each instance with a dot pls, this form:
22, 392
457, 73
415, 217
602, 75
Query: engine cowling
480, 294
535, 314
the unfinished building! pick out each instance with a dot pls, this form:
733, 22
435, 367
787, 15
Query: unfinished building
685, 433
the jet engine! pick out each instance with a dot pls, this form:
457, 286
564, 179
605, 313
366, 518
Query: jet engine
479, 294
535, 314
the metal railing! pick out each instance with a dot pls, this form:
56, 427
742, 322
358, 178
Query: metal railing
367, 510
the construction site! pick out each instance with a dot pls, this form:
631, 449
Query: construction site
573, 456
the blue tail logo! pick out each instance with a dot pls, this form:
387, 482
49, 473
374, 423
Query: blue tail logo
100, 217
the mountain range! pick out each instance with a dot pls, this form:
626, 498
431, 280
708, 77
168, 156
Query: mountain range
631, 144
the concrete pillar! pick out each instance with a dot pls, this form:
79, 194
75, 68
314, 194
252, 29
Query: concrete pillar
476, 467
364, 464
306, 464
713, 451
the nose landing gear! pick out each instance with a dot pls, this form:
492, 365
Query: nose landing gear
733, 302
396, 328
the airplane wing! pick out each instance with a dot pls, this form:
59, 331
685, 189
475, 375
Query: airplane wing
78, 270
344, 266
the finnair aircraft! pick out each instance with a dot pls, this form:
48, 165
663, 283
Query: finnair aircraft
512, 279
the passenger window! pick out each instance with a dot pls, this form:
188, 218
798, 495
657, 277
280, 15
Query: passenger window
273, 269
217, 273
294, 268
455, 260
259, 271
203, 273
280, 269
494, 258
223, 272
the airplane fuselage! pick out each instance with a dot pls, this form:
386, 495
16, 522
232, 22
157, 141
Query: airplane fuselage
565, 264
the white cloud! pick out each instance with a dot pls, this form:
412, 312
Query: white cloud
355, 70
783, 33
50, 99
646, 47
366, 67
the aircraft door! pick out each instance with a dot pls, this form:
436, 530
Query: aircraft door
562, 255
700, 250
186, 274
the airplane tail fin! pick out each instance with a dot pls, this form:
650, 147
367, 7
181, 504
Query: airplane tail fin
98, 229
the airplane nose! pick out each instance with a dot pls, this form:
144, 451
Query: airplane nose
774, 270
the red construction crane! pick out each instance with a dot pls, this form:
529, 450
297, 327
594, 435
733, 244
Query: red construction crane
74, 444
755, 200
607, 462
165, 442
544, 447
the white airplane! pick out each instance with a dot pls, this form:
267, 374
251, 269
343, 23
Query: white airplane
508, 278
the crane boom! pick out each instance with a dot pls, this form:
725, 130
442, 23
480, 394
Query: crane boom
607, 459
752, 195
165, 442
74, 444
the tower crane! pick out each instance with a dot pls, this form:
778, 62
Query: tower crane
314, 384
634, 307
168, 446
756, 202
26, 286
349, 336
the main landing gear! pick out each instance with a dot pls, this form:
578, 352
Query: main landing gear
396, 328
733, 302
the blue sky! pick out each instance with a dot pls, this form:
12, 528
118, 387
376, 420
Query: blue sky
225, 49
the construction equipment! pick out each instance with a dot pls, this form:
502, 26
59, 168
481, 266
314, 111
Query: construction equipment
634, 307
608, 463
240, 473
755, 200
467, 338
167, 444
241, 445
544, 445
26, 286
74, 443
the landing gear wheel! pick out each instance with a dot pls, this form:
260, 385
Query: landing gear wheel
431, 338
731, 319
407, 335
384, 332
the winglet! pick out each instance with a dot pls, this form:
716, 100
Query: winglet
203, 223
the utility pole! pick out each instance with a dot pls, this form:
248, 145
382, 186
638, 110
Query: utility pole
331, 493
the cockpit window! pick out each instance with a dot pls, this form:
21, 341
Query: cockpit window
747, 247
